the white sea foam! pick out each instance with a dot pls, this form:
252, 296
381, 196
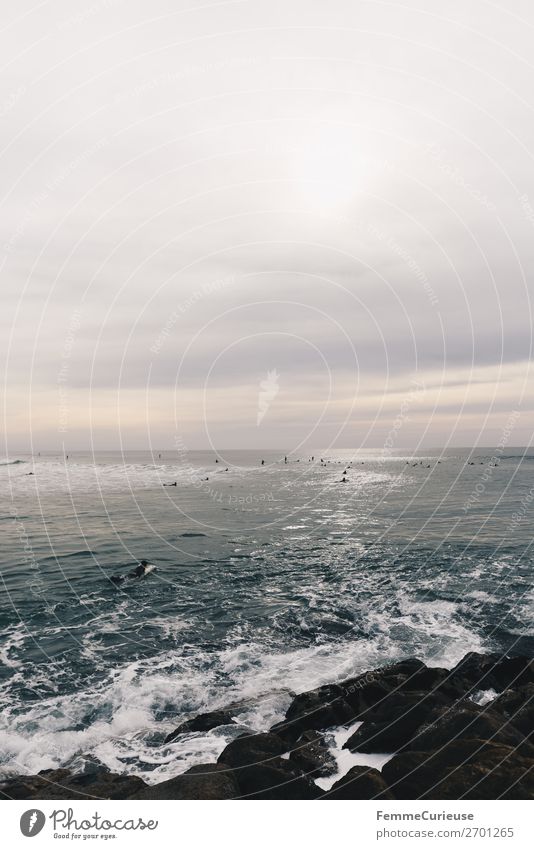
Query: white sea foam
345, 759
12, 639
484, 697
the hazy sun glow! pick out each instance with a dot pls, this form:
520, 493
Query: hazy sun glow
333, 169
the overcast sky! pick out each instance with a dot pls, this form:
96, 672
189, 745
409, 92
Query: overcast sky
258, 223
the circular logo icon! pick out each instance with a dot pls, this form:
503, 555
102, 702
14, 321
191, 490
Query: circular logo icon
32, 822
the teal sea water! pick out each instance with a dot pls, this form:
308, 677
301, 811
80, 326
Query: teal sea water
269, 580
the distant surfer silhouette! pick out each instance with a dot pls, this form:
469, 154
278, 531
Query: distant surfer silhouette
170, 484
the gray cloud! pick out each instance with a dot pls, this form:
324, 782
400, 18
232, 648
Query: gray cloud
364, 167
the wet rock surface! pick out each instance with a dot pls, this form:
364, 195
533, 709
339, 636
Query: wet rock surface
62, 784
360, 782
252, 749
312, 754
205, 781
202, 722
466, 769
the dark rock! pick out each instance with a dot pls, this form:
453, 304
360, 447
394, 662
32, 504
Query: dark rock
363, 695
360, 782
500, 777
467, 720
85, 764
62, 784
370, 691
315, 710
514, 672
312, 755
357, 698
386, 679
275, 779
432, 678
202, 722
395, 721
518, 707
205, 781
374, 737
253, 749
26, 786
465, 769
262, 773
289, 732
474, 672
389, 675
492, 671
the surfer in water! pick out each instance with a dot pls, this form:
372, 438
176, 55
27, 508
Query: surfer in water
170, 484
144, 568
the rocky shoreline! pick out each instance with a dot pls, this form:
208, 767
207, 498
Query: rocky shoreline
464, 733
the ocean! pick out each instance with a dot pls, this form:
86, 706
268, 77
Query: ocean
270, 579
